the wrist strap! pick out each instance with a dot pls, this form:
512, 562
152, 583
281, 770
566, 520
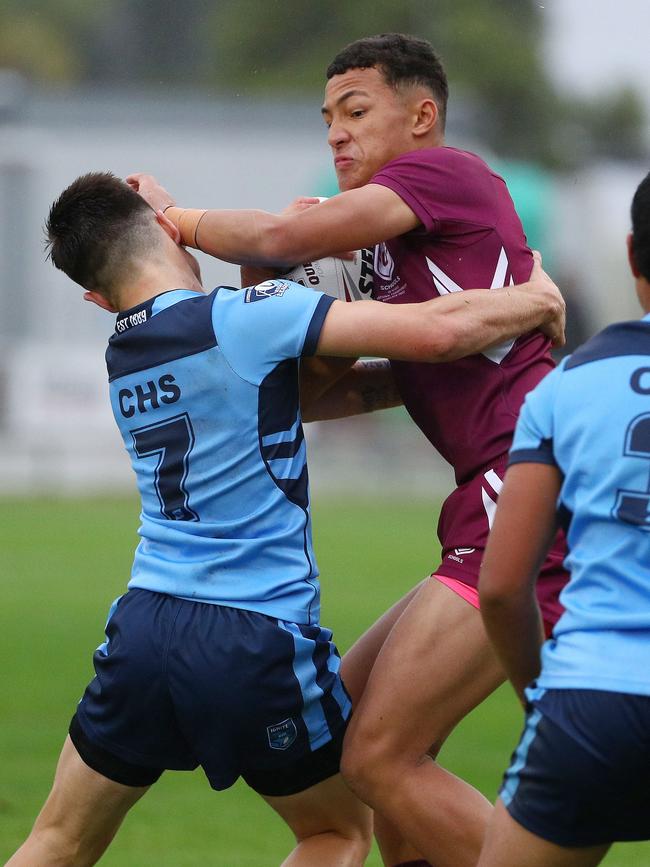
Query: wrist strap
187, 221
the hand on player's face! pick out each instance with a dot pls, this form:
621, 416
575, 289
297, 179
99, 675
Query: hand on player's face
369, 124
150, 190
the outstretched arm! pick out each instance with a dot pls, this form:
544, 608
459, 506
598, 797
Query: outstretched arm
522, 534
349, 221
447, 328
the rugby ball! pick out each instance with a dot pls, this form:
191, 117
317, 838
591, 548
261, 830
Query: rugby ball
345, 279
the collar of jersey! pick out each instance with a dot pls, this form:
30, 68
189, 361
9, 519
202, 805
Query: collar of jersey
159, 302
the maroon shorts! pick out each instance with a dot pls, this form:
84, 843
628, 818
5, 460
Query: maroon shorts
465, 520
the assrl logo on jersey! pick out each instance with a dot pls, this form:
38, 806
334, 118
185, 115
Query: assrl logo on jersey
268, 289
384, 264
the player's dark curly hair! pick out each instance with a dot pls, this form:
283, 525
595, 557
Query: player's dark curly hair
402, 60
96, 229
641, 227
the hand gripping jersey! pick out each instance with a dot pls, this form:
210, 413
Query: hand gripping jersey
591, 419
470, 236
204, 389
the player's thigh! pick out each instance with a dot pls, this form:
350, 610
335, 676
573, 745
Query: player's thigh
506, 840
357, 663
327, 806
434, 667
84, 803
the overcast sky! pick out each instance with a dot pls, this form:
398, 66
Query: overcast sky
592, 43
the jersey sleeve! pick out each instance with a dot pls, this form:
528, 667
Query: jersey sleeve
441, 185
533, 440
263, 325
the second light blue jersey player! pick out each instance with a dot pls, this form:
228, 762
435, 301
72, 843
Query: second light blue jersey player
591, 418
204, 390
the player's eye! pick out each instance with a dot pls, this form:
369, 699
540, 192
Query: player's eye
358, 112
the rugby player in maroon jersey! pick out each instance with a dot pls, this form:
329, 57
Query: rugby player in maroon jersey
443, 222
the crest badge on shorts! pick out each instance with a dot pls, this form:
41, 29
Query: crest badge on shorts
281, 735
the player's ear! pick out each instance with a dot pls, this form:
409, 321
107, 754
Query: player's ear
166, 224
426, 117
100, 301
630, 256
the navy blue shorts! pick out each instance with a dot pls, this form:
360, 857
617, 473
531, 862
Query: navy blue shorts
180, 684
581, 773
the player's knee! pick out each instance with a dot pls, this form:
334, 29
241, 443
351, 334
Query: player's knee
360, 845
363, 767
52, 841
64, 848
357, 839
350, 832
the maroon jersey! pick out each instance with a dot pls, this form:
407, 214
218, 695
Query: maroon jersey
470, 237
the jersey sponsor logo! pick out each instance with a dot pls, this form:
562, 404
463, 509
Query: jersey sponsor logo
384, 264
281, 735
366, 282
268, 289
460, 553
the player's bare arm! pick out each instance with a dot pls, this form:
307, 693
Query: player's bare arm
523, 531
319, 378
367, 386
351, 220
444, 329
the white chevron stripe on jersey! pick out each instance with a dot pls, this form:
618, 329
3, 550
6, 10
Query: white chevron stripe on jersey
489, 504
494, 481
490, 507
444, 284
499, 279
498, 353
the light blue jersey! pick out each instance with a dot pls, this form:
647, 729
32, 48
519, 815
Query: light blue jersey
204, 389
591, 418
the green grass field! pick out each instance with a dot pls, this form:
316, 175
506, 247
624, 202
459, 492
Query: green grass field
63, 562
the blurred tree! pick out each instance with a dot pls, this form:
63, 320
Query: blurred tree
47, 42
610, 126
492, 53
36, 47
491, 49
142, 42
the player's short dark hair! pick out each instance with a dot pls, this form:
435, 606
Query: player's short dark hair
96, 229
641, 227
403, 60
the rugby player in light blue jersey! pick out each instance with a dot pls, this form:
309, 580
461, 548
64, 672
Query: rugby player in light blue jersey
580, 778
215, 656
